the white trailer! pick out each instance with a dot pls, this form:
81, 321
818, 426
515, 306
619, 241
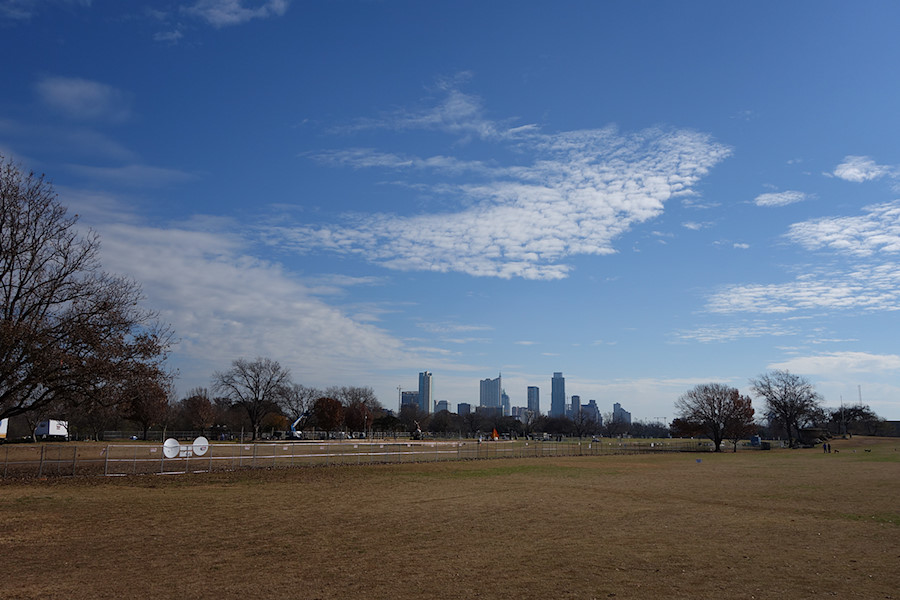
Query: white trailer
4, 424
52, 428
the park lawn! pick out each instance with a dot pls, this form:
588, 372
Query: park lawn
779, 524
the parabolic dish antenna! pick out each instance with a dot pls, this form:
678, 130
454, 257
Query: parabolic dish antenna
201, 445
171, 448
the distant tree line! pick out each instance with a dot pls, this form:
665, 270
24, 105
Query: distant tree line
791, 406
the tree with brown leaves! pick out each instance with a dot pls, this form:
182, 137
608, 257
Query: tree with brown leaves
67, 328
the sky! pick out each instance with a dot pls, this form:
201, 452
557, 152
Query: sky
642, 195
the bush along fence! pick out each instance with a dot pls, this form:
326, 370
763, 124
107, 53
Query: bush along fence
68, 459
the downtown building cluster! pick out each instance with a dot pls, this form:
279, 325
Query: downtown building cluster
493, 400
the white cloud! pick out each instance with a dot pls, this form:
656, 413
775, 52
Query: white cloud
223, 13
574, 194
173, 36
83, 99
695, 226
741, 245
456, 112
725, 333
25, 9
876, 231
224, 303
840, 362
866, 288
860, 168
452, 327
780, 198
367, 158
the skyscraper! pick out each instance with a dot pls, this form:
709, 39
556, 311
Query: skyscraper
534, 399
491, 391
620, 415
575, 407
558, 395
425, 392
409, 398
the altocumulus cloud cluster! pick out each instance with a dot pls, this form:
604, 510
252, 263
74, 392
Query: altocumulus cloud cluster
574, 195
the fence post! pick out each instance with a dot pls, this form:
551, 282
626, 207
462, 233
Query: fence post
74, 458
106, 461
41, 467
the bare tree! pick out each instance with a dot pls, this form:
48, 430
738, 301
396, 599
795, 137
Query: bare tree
791, 398
257, 386
297, 400
348, 395
66, 327
585, 424
708, 407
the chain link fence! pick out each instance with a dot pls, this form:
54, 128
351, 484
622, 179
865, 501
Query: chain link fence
67, 459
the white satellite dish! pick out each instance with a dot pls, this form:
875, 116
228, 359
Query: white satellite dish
201, 445
171, 448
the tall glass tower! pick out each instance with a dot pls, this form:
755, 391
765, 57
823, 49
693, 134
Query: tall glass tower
426, 403
534, 399
558, 395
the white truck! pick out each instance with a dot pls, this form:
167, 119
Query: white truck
52, 428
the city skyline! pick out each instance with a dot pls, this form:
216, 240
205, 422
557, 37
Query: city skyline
645, 196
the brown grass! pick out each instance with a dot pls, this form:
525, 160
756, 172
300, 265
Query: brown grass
780, 524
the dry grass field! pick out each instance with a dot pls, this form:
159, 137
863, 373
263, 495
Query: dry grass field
780, 524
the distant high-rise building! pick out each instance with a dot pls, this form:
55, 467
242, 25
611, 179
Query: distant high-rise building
505, 403
575, 407
441, 405
592, 412
620, 415
409, 398
463, 408
558, 395
491, 391
426, 403
534, 399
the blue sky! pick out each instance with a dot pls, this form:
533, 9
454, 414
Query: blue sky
642, 195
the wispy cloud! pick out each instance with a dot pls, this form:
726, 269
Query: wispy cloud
780, 198
73, 141
142, 176
867, 288
456, 112
223, 13
447, 327
841, 362
861, 168
574, 194
730, 332
173, 36
694, 225
368, 158
83, 99
26, 9
876, 231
